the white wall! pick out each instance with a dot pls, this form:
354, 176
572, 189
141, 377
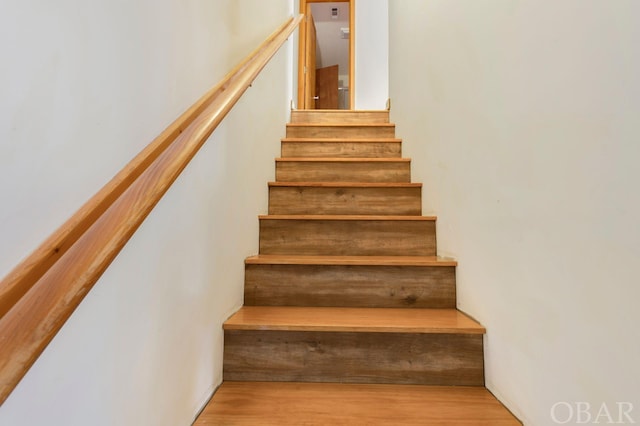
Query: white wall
372, 54
522, 120
86, 85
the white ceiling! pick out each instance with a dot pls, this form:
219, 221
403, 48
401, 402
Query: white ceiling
332, 48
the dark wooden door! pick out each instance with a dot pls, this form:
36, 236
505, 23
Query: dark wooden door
327, 87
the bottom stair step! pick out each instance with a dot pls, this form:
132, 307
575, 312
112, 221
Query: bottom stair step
257, 403
353, 345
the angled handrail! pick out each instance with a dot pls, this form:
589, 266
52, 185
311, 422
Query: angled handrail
39, 294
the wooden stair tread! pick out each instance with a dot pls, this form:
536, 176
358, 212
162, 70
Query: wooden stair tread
350, 184
339, 111
344, 217
344, 111
340, 116
343, 129
344, 160
341, 125
319, 404
338, 319
273, 259
342, 140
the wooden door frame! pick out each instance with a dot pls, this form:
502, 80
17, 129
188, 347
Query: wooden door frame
352, 49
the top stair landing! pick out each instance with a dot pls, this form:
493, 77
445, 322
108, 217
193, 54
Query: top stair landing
339, 116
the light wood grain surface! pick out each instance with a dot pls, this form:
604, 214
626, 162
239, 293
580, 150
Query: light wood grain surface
351, 260
342, 125
379, 130
348, 218
343, 170
339, 116
351, 161
363, 148
348, 185
380, 320
340, 139
322, 404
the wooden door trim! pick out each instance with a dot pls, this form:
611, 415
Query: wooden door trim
352, 49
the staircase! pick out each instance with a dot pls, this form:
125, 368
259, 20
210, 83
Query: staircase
350, 317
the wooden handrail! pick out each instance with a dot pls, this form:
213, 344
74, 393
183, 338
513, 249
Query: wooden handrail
38, 296
31, 269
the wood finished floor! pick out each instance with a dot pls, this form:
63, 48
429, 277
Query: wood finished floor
284, 404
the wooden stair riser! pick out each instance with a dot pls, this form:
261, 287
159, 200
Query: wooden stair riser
343, 171
340, 116
345, 200
350, 286
348, 237
340, 131
351, 357
342, 148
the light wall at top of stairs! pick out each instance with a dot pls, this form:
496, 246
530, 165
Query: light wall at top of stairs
521, 118
372, 54
86, 85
